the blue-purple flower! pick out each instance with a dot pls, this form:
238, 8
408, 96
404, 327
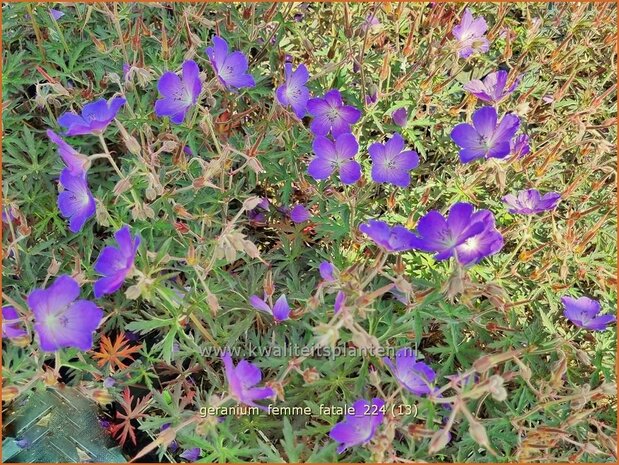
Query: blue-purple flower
485, 138
75, 202
56, 14
299, 214
400, 117
443, 236
231, 68
493, 88
293, 91
519, 146
114, 263
484, 244
340, 300
360, 426
242, 380
416, 377
327, 271
95, 117
391, 163
531, 201
390, 238
330, 114
280, 310
75, 161
60, 320
585, 313
470, 35
179, 94
338, 155
191, 455
12, 324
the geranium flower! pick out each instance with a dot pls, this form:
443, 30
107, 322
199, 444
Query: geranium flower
56, 14
484, 138
179, 94
400, 117
299, 214
75, 202
191, 455
338, 155
391, 163
585, 313
493, 88
12, 325
293, 91
416, 377
470, 34
519, 146
330, 114
280, 311
482, 245
530, 202
114, 263
442, 236
340, 300
75, 161
327, 271
391, 238
95, 117
358, 427
231, 68
60, 320
241, 382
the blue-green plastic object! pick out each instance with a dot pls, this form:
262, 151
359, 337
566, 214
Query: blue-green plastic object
57, 426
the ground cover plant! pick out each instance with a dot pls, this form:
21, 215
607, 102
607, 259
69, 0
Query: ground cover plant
315, 232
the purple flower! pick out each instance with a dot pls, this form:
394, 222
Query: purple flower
280, 311
191, 455
391, 238
59, 319
372, 96
530, 202
440, 235
370, 24
8, 214
470, 34
416, 377
56, 14
179, 94
391, 163
338, 155
330, 114
75, 161
484, 138
231, 68
340, 300
12, 326
241, 382
75, 202
484, 244
400, 117
114, 263
94, 119
360, 426
493, 88
585, 313
327, 270
299, 214
293, 92
519, 146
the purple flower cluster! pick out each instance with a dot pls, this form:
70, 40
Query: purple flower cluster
467, 235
